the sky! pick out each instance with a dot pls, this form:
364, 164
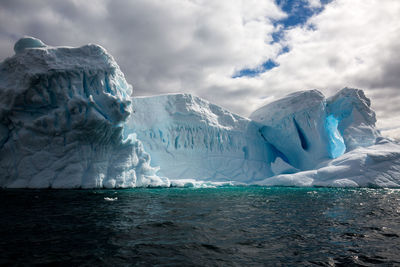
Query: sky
240, 54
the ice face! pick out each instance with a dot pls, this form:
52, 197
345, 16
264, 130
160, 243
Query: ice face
61, 119
295, 126
356, 119
190, 138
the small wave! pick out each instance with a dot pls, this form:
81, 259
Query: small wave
110, 198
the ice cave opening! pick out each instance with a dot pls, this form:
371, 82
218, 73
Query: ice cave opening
335, 140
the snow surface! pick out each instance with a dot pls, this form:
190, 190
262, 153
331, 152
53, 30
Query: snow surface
67, 120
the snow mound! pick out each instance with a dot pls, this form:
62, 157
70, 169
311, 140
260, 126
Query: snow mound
61, 119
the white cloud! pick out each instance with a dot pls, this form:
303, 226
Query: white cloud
314, 3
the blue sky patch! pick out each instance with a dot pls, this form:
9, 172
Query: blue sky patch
298, 11
267, 65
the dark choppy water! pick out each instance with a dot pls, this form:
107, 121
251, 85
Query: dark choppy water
223, 226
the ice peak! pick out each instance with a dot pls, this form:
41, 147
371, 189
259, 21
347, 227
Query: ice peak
295, 102
34, 57
185, 108
356, 118
27, 42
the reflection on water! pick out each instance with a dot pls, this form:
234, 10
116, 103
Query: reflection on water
218, 226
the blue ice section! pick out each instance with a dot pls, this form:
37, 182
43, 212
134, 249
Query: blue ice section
335, 140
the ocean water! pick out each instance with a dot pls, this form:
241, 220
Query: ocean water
226, 226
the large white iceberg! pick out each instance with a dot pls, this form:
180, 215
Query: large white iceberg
67, 120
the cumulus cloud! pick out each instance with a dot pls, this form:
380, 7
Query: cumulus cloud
314, 3
197, 46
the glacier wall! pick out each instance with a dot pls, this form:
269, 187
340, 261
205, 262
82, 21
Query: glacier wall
62, 111
190, 138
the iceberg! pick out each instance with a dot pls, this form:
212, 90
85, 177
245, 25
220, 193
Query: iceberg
68, 120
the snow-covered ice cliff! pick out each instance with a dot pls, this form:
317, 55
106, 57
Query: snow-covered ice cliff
62, 111
190, 138
67, 120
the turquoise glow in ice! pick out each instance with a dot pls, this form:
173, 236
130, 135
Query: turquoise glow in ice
336, 143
